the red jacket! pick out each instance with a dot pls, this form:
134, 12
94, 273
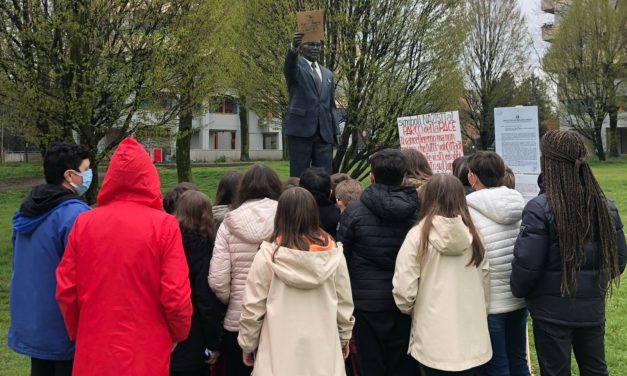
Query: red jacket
122, 284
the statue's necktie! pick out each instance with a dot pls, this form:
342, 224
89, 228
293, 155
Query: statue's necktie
317, 77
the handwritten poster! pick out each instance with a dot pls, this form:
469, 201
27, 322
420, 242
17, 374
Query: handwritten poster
312, 24
438, 136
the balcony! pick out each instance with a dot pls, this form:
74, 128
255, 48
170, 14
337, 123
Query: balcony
548, 32
548, 6
553, 6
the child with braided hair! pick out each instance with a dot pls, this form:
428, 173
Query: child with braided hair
569, 252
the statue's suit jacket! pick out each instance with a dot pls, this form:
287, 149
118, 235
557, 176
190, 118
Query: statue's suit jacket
307, 108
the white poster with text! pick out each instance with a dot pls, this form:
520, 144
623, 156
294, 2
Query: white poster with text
517, 138
438, 136
527, 185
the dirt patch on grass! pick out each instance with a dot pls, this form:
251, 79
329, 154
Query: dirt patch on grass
17, 184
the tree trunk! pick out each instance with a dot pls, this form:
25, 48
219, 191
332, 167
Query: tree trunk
340, 151
244, 136
598, 144
483, 140
484, 133
286, 154
613, 136
92, 193
183, 141
42, 142
354, 157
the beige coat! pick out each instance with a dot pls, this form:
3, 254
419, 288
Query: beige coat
297, 312
447, 299
237, 242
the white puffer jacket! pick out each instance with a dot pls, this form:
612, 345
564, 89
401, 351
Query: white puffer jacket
496, 213
237, 241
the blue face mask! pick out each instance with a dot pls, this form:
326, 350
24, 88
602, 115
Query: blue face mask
87, 175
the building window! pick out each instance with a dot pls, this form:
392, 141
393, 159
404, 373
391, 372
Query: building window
166, 103
270, 141
226, 106
195, 140
222, 140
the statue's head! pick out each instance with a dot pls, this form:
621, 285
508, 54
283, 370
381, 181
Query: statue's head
311, 50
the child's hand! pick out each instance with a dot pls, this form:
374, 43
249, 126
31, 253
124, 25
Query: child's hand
213, 358
248, 358
345, 350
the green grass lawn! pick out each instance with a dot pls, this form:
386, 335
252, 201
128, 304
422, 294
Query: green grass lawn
612, 176
10, 171
207, 178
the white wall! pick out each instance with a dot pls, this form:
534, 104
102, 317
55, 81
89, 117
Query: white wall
622, 123
203, 151
233, 155
21, 157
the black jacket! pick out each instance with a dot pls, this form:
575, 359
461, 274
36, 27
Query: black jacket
329, 214
372, 231
537, 270
206, 329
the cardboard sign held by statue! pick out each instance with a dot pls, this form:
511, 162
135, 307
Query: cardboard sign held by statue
311, 24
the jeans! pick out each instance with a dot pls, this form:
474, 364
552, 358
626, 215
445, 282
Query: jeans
508, 334
554, 343
308, 152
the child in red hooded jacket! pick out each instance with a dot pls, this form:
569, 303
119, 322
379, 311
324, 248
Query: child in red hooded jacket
122, 284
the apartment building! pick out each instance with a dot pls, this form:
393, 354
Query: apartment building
558, 9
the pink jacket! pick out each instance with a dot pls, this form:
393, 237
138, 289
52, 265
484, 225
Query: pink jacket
237, 242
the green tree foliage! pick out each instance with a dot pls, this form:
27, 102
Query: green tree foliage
394, 58
533, 91
265, 34
588, 62
389, 59
200, 65
84, 68
497, 45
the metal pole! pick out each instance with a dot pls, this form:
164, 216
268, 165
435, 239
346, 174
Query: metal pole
2, 144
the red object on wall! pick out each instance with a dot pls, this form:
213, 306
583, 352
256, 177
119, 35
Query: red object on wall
157, 155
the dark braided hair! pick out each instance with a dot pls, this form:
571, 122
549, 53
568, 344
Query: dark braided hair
579, 207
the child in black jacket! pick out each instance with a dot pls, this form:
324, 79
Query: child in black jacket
372, 231
570, 250
194, 355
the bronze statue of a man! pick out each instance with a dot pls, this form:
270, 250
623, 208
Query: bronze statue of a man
311, 121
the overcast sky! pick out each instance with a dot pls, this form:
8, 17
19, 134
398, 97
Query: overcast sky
535, 18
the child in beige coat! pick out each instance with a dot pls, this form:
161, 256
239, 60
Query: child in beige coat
441, 280
297, 315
